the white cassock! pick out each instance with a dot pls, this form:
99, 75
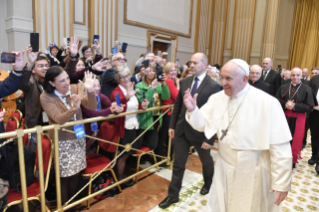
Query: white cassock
254, 156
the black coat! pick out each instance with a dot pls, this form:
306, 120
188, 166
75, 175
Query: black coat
262, 86
273, 78
178, 122
108, 82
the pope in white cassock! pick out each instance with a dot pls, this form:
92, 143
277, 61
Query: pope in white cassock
254, 165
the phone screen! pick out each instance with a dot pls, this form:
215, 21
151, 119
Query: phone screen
34, 41
117, 99
146, 63
143, 95
96, 38
7, 57
114, 50
124, 46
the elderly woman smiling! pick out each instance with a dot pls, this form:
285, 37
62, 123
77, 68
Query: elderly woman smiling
62, 103
128, 126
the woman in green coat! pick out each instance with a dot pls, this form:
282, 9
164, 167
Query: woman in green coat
154, 92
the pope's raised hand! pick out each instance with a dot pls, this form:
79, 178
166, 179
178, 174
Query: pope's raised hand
189, 101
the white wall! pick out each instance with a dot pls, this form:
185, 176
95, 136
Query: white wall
136, 37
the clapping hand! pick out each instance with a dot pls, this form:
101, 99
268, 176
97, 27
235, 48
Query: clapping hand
99, 66
76, 101
189, 101
18, 65
89, 81
117, 109
73, 46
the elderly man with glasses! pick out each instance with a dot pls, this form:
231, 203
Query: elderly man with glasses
108, 81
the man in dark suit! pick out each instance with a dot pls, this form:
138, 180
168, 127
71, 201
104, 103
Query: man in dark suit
108, 81
305, 74
254, 79
185, 136
271, 76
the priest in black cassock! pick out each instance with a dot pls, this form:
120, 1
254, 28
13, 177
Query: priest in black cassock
254, 79
296, 99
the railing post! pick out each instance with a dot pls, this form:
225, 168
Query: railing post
57, 167
40, 164
22, 170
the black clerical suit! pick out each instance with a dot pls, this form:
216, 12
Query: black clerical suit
186, 136
272, 78
262, 86
302, 96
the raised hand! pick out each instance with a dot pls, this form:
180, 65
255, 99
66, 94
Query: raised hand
73, 46
2, 115
189, 101
154, 84
18, 65
96, 47
63, 45
130, 90
89, 81
76, 101
99, 66
32, 56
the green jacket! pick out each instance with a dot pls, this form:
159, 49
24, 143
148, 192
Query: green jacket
146, 119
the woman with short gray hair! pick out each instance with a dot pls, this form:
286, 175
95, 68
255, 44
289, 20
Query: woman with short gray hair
127, 127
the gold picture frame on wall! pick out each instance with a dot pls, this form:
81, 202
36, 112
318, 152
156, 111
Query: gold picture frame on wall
84, 12
186, 33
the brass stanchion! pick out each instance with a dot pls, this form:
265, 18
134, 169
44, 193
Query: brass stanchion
57, 167
40, 163
22, 170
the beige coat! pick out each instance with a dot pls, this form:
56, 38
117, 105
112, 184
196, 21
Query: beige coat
59, 114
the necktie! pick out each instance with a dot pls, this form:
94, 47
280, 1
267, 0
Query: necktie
193, 91
265, 74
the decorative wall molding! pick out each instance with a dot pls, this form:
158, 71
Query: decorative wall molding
18, 24
152, 22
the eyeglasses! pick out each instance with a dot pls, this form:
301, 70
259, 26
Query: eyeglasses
42, 65
121, 59
126, 77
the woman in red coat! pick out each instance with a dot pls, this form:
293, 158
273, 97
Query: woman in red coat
173, 85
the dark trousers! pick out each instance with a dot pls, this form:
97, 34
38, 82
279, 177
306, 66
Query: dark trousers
150, 138
181, 147
314, 123
306, 130
163, 136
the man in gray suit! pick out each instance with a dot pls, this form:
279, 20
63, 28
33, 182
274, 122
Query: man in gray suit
184, 136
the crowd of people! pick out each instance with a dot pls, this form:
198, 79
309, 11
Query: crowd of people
54, 93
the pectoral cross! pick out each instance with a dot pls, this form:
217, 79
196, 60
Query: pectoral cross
224, 133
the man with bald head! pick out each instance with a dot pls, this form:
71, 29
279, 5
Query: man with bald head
305, 74
253, 170
296, 99
184, 136
270, 76
254, 79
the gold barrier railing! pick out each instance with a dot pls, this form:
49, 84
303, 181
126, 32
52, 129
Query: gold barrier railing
19, 133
